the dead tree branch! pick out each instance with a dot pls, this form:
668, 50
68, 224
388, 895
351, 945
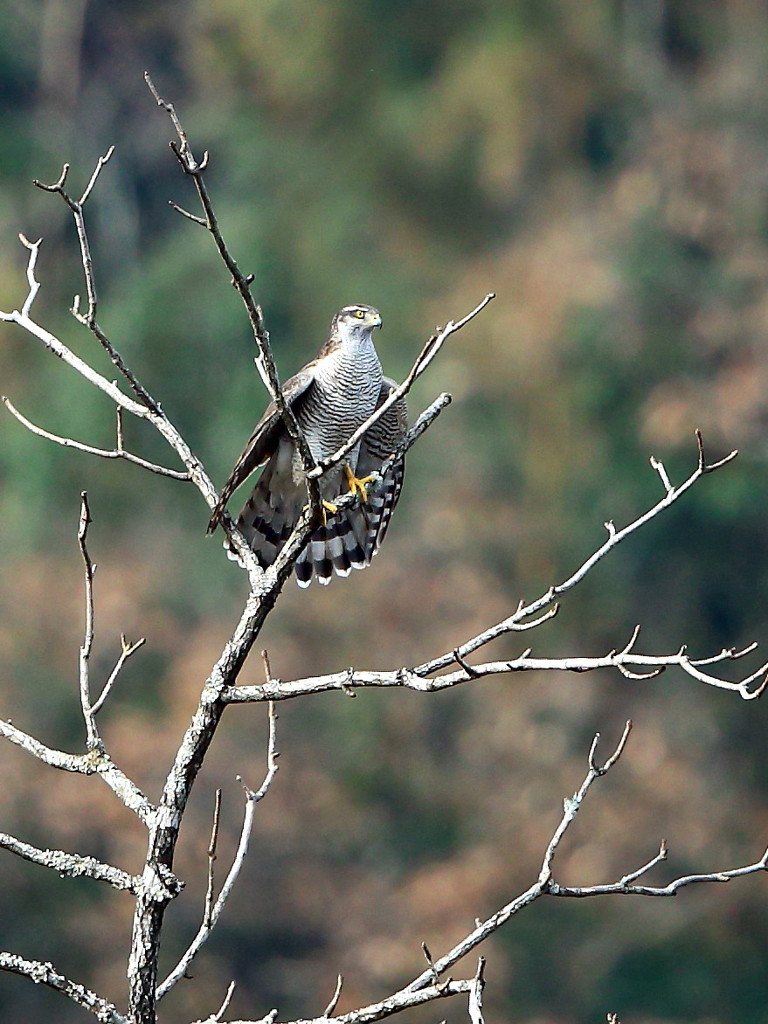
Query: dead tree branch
94, 762
213, 909
105, 453
71, 865
615, 537
46, 974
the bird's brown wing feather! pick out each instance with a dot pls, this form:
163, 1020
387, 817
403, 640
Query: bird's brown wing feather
264, 439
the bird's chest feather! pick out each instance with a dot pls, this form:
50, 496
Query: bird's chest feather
343, 396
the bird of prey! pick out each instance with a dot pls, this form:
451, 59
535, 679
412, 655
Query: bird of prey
330, 397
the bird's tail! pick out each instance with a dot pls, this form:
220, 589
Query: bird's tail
351, 537
348, 540
268, 518
338, 546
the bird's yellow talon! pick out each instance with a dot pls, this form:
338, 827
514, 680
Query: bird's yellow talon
357, 485
328, 506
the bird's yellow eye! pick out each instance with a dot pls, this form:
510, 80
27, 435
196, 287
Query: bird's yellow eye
359, 313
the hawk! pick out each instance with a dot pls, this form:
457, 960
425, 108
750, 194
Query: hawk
330, 397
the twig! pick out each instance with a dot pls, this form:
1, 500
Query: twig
430, 961
92, 736
210, 892
88, 319
126, 650
396, 1003
334, 998
227, 1000
476, 994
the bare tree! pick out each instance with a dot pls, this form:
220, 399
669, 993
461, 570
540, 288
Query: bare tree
156, 884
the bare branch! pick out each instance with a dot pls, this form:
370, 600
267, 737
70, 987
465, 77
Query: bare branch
46, 974
213, 911
95, 762
264, 361
412, 679
542, 885
92, 739
623, 886
73, 865
615, 537
105, 453
147, 409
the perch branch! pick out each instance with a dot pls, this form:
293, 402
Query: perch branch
425, 357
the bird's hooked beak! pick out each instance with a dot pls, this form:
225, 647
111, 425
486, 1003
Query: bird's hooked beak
374, 319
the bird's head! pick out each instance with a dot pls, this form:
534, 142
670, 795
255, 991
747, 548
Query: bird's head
355, 322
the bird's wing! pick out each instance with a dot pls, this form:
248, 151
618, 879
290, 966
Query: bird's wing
265, 437
378, 443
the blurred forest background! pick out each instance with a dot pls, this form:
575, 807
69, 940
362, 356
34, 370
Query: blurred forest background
604, 168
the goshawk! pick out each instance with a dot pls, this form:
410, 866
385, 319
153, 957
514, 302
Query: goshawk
330, 397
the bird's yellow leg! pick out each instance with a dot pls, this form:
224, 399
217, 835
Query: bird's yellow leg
326, 507
357, 485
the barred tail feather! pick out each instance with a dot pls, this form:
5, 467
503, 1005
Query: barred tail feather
351, 538
334, 547
268, 518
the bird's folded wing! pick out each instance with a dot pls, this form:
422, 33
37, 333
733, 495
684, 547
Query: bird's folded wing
378, 443
263, 441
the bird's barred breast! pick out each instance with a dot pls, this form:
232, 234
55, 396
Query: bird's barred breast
344, 396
